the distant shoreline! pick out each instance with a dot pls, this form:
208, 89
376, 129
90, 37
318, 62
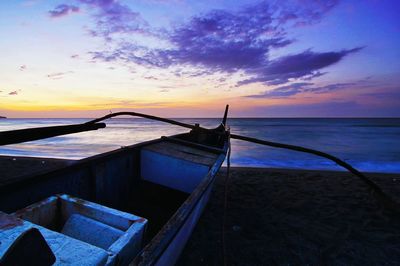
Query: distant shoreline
272, 118
2, 117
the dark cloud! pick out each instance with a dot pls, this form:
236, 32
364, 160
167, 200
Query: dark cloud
63, 10
22, 68
303, 12
112, 17
219, 41
315, 74
98, 3
225, 41
301, 87
303, 65
13, 93
331, 87
74, 56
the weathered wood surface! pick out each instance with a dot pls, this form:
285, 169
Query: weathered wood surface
184, 152
13, 168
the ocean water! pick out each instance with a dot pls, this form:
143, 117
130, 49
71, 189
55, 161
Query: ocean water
369, 144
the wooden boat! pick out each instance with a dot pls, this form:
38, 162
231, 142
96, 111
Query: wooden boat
147, 196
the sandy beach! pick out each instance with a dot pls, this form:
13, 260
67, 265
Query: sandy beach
283, 217
296, 217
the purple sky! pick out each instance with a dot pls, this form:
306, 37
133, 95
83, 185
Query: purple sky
179, 58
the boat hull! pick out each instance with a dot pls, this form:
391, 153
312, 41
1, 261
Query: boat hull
178, 233
181, 179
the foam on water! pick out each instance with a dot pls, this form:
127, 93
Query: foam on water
370, 145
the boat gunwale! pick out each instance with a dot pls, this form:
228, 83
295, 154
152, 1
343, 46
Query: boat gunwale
76, 164
159, 243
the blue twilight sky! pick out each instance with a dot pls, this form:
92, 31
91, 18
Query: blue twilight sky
290, 58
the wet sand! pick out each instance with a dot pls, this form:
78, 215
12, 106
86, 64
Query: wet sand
296, 217
282, 217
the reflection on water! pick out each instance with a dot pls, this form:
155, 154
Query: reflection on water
368, 144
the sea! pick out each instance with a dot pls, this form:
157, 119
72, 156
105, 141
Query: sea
368, 144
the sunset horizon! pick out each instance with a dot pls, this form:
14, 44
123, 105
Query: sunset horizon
177, 58
211, 132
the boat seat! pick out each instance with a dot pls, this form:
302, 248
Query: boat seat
91, 231
103, 231
67, 250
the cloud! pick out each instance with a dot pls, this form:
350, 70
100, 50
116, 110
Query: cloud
74, 56
128, 103
13, 93
303, 65
304, 12
301, 87
58, 75
150, 78
283, 91
331, 87
225, 41
112, 18
22, 68
63, 10
322, 109
330, 108
218, 41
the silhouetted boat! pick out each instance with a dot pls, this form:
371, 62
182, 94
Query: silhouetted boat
138, 204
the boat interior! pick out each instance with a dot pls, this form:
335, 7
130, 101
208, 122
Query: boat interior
128, 193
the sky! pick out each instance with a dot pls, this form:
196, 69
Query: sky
184, 58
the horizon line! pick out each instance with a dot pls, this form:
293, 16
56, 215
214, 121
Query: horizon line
244, 117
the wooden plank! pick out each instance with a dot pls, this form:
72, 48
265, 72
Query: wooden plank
171, 172
183, 152
194, 145
14, 168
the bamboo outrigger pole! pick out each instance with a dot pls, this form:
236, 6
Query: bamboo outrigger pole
17, 136
30, 134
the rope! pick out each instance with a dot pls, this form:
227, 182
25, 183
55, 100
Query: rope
151, 117
228, 162
377, 192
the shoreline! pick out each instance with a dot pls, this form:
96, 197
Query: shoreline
344, 171
283, 217
292, 217
233, 165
